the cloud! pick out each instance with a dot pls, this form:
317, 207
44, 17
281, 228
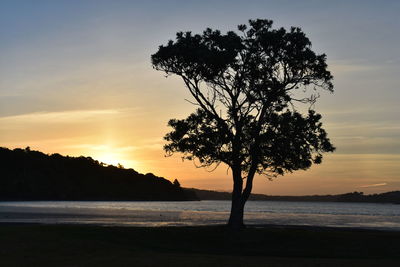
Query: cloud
344, 67
74, 115
373, 185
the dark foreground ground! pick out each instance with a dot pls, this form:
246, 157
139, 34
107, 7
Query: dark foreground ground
77, 245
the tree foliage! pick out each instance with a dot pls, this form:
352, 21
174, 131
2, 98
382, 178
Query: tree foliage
247, 86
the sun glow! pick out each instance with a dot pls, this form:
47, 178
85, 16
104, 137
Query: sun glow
116, 159
109, 158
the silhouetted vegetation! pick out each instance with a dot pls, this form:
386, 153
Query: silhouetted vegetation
32, 175
247, 86
388, 197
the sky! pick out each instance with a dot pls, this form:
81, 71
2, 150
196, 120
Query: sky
76, 79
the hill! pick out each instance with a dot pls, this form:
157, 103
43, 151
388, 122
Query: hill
388, 197
32, 175
203, 194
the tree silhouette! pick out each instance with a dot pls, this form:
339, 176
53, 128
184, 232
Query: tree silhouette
176, 183
248, 87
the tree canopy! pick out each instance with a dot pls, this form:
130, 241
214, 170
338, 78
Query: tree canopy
249, 87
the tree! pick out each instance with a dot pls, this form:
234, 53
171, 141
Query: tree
255, 91
176, 183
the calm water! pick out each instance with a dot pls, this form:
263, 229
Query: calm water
359, 215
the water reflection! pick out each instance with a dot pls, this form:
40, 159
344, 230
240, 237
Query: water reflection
360, 215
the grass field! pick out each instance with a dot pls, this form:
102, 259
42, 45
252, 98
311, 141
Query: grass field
77, 245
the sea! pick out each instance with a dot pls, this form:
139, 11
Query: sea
196, 213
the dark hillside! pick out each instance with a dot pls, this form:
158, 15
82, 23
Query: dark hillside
32, 175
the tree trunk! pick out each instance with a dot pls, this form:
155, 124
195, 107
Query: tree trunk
236, 217
239, 198
237, 206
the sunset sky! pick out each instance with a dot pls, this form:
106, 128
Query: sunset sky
76, 79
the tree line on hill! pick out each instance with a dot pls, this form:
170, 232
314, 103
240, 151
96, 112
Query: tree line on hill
33, 175
388, 197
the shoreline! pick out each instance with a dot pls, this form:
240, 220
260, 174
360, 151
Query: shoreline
310, 228
6, 201
153, 218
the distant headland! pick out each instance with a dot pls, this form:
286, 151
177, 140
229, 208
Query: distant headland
388, 197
